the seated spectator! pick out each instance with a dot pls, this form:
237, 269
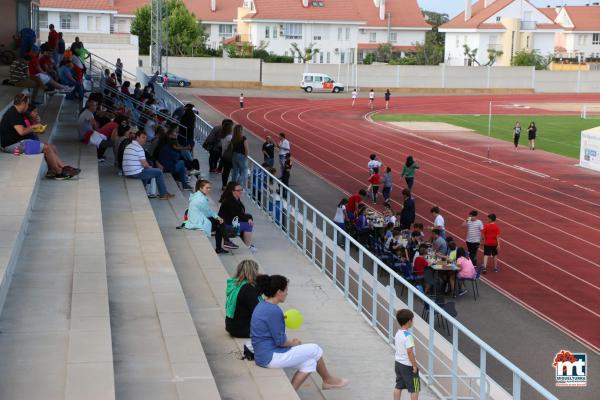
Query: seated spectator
393, 243
123, 134
14, 133
388, 232
421, 269
272, 348
201, 216
125, 88
135, 166
35, 70
101, 115
170, 160
137, 91
241, 297
467, 269
232, 209
31, 116
67, 77
438, 244
47, 63
150, 127
19, 77
86, 123
362, 225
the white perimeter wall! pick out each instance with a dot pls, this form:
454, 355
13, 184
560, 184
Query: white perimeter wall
385, 76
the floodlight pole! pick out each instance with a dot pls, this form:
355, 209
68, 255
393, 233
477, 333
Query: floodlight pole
156, 36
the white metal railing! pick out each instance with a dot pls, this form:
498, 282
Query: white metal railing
347, 266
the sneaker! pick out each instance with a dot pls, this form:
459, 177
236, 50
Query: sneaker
252, 249
188, 188
62, 177
101, 159
71, 171
194, 172
228, 244
221, 251
496, 270
50, 175
462, 292
166, 196
483, 270
152, 196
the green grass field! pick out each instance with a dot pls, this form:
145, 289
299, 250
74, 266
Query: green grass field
556, 134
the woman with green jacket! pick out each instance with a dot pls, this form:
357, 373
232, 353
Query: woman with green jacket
408, 171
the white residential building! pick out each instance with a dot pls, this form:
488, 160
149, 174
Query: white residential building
342, 30
503, 25
581, 35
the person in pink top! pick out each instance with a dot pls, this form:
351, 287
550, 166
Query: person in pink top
467, 269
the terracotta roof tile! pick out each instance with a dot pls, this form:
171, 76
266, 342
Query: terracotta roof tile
585, 18
79, 4
332, 10
226, 9
479, 14
403, 13
549, 12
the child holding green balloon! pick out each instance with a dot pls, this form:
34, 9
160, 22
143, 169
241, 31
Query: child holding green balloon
273, 349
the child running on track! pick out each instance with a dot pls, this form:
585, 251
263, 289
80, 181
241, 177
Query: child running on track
354, 96
242, 101
531, 134
371, 98
373, 163
375, 181
387, 99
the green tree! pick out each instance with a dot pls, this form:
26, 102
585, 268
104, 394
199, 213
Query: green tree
305, 55
471, 54
431, 52
185, 33
533, 58
140, 26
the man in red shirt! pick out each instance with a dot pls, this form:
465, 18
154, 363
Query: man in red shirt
491, 242
52, 39
353, 202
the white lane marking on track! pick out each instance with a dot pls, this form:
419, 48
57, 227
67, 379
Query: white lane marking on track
530, 171
504, 262
584, 188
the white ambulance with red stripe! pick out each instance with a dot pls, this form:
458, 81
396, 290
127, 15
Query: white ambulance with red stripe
320, 83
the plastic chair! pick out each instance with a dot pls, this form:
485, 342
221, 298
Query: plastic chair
474, 286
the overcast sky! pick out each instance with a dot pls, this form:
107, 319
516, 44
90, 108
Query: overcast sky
453, 7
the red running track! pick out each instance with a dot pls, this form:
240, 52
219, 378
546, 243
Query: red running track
548, 209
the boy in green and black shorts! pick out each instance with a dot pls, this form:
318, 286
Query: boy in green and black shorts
407, 372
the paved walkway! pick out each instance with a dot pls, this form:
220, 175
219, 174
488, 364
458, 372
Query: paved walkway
35, 322
352, 348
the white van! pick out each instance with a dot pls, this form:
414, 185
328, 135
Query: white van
320, 83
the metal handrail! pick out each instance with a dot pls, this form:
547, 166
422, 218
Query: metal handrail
485, 349
110, 64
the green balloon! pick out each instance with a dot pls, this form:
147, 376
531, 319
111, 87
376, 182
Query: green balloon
293, 319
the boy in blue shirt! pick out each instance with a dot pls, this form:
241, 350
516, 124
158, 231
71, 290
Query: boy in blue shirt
407, 371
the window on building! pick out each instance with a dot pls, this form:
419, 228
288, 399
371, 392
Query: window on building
328, 57
596, 38
465, 38
317, 37
373, 37
457, 41
68, 21
527, 41
274, 35
225, 31
498, 18
292, 31
393, 37
267, 29
321, 58
347, 33
94, 23
43, 19
340, 33
342, 57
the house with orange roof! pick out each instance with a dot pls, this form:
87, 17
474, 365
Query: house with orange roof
580, 37
502, 25
342, 30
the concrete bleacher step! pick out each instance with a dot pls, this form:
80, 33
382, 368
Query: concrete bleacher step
203, 278
55, 333
156, 349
